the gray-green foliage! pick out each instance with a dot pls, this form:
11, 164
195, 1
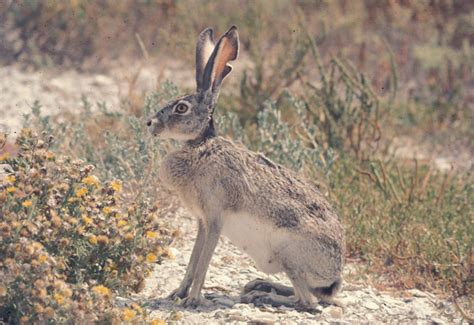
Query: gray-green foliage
289, 144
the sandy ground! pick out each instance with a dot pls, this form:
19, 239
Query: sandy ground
230, 269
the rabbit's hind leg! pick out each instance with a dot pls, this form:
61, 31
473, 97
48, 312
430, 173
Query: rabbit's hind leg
303, 294
269, 286
259, 298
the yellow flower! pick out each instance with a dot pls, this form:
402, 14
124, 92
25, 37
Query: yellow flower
41, 293
39, 283
56, 221
128, 314
11, 189
38, 308
129, 236
67, 292
10, 179
151, 234
59, 298
121, 223
91, 180
92, 240
101, 290
42, 258
4, 156
80, 230
27, 204
158, 321
150, 258
137, 308
86, 220
103, 240
50, 313
49, 155
80, 192
116, 186
107, 210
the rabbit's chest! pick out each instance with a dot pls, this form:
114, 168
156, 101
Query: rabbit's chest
255, 238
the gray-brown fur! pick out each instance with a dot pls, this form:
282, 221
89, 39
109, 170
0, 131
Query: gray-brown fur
280, 219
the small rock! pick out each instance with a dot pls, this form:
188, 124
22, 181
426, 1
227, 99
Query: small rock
350, 300
333, 312
122, 302
370, 305
264, 318
392, 311
290, 322
219, 314
174, 252
417, 293
437, 321
237, 318
241, 306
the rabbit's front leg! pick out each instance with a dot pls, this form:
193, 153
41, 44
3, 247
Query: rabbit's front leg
183, 289
212, 235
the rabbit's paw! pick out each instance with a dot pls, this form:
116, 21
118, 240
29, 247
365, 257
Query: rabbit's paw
178, 293
194, 302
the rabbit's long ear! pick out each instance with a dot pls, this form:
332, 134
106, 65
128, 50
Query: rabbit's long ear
217, 68
204, 47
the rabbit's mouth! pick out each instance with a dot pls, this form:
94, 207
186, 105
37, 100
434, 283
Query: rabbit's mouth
155, 127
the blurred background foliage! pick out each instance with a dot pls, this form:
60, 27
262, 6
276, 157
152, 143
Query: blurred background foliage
325, 88
430, 43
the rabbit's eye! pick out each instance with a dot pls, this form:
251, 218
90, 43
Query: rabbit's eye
181, 108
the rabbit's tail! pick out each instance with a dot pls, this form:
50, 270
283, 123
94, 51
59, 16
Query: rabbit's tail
328, 291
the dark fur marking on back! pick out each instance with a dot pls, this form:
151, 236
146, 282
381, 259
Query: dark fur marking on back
285, 217
317, 210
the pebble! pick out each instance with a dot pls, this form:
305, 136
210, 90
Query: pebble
175, 252
242, 306
219, 314
370, 305
333, 311
437, 321
264, 318
238, 318
351, 300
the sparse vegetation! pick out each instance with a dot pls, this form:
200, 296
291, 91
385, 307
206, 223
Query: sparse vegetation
326, 88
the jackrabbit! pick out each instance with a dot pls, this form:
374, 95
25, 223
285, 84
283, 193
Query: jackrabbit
280, 220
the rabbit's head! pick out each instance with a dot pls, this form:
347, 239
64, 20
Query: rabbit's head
189, 118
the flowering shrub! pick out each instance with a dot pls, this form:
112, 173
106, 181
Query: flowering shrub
67, 241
